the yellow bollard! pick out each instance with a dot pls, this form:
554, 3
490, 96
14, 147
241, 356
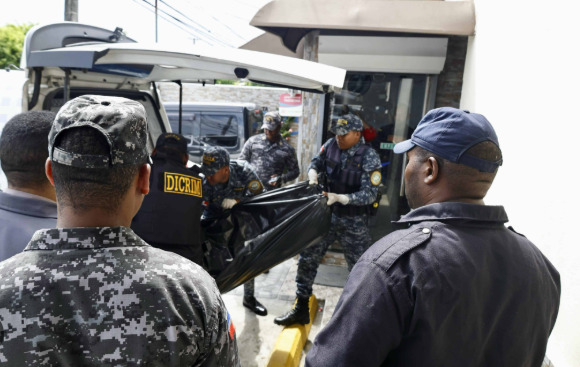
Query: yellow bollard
289, 345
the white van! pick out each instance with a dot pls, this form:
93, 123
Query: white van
66, 60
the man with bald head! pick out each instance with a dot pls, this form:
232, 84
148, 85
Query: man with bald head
454, 286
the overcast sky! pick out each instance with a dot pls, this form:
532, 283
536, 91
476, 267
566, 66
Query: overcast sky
218, 22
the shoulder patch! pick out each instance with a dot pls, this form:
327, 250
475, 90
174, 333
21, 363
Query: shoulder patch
376, 178
255, 186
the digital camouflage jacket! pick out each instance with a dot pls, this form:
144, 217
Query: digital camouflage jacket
102, 296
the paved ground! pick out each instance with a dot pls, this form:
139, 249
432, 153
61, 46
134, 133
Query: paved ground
276, 290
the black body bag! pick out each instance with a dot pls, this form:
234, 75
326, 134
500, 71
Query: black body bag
265, 230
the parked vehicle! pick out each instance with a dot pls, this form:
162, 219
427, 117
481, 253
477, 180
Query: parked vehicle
66, 60
228, 125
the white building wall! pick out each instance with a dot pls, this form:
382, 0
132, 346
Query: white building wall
522, 74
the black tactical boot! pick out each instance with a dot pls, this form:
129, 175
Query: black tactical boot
256, 307
298, 315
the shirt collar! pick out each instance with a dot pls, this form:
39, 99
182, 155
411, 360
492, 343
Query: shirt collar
269, 143
84, 238
352, 150
24, 194
455, 211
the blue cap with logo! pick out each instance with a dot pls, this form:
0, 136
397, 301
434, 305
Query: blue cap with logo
450, 133
214, 158
272, 120
345, 123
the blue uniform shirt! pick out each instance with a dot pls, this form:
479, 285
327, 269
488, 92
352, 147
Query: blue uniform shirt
455, 288
243, 182
22, 214
371, 165
271, 159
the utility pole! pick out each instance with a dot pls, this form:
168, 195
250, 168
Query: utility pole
71, 10
156, 23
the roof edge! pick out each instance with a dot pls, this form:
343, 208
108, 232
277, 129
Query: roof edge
292, 19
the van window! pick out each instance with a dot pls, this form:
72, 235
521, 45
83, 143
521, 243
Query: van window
187, 122
219, 129
210, 127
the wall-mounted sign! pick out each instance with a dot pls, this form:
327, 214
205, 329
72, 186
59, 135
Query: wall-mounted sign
389, 146
291, 104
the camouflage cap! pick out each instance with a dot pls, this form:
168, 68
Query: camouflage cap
214, 158
272, 120
122, 122
346, 123
172, 140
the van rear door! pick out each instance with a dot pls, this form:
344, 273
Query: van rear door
64, 56
144, 63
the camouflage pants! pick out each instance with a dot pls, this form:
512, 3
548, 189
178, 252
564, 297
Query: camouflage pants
351, 232
249, 288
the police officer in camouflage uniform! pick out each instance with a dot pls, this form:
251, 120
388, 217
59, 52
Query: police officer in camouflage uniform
224, 185
271, 155
352, 170
91, 292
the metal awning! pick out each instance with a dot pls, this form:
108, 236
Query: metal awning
271, 43
292, 19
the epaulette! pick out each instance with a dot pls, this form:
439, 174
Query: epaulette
403, 245
514, 231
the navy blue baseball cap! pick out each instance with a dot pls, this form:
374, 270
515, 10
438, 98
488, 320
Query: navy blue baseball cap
345, 123
272, 120
214, 158
450, 133
177, 141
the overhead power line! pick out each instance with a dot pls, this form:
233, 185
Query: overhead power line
233, 31
186, 17
204, 34
140, 3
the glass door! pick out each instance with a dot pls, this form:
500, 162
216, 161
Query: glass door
391, 106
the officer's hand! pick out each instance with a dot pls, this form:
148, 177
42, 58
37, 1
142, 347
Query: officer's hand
337, 198
312, 177
229, 203
274, 179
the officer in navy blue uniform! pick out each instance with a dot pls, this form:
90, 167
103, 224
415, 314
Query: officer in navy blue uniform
352, 171
454, 286
169, 218
273, 158
225, 184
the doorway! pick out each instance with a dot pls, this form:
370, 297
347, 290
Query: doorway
390, 105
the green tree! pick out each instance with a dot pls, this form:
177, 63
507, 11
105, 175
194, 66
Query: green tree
11, 40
